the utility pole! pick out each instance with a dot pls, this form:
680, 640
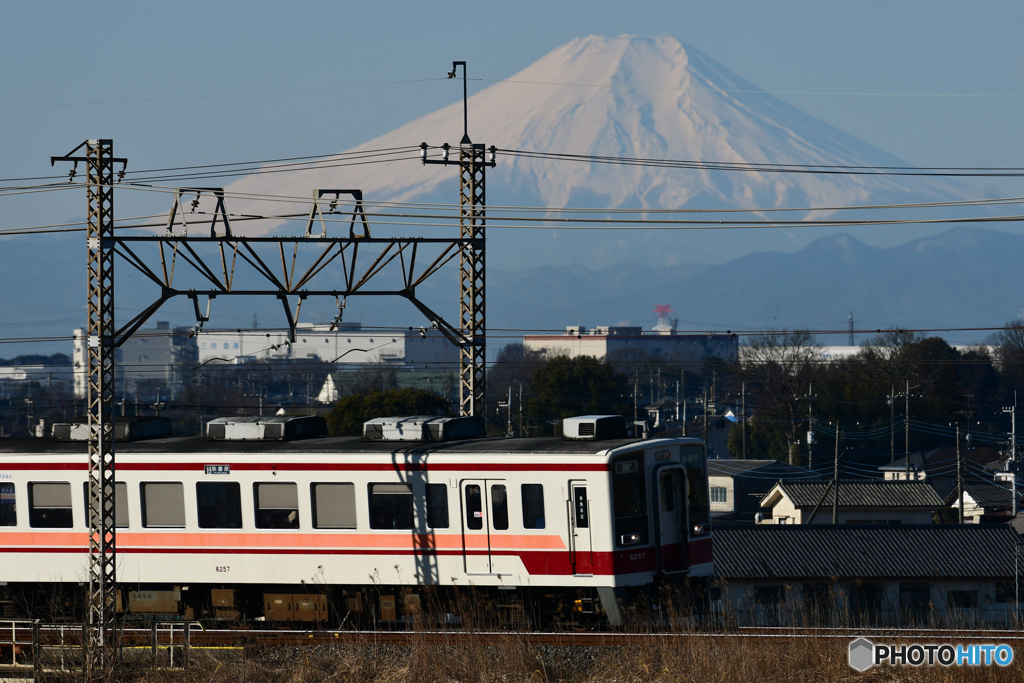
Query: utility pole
1011, 462
892, 424
810, 426
100, 341
508, 430
906, 433
849, 340
743, 418
835, 482
473, 230
705, 418
636, 397
959, 476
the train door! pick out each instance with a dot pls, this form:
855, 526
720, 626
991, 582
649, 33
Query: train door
672, 520
485, 520
581, 555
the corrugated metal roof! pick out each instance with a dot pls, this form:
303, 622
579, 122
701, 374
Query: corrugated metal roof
968, 551
864, 493
985, 494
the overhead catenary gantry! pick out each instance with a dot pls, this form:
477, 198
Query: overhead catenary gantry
199, 256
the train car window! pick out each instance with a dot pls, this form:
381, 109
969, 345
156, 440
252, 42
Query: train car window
668, 493
120, 504
437, 506
163, 505
277, 505
533, 506
692, 457
219, 504
499, 507
334, 506
629, 500
580, 507
391, 506
474, 508
8, 506
49, 505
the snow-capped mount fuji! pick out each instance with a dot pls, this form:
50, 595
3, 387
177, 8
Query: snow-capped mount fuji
634, 97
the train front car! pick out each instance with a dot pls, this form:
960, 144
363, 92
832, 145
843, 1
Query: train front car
660, 530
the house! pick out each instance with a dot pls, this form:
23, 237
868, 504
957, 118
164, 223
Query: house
984, 502
737, 486
866, 575
938, 466
861, 501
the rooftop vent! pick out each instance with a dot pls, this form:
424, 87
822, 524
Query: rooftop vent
423, 428
125, 429
594, 428
283, 428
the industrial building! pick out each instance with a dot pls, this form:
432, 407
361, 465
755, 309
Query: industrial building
611, 343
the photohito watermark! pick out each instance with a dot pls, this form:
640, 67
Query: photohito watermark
864, 654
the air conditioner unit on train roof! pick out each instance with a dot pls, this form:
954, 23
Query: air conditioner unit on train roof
594, 428
276, 428
423, 428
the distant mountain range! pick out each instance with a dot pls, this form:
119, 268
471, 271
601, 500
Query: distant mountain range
967, 277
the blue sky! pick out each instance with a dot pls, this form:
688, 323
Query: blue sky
64, 52
58, 55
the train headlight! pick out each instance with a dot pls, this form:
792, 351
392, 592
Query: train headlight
629, 539
701, 529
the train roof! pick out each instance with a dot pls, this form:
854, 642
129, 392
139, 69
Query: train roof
334, 444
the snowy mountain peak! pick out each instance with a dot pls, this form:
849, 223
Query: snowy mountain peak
625, 96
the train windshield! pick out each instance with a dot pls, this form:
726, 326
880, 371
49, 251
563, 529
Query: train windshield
629, 497
692, 458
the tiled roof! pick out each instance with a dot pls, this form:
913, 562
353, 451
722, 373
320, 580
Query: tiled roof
985, 494
729, 467
933, 551
864, 493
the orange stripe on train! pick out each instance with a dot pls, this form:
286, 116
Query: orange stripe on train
222, 539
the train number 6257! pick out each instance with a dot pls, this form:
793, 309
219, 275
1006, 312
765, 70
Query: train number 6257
223, 568
637, 556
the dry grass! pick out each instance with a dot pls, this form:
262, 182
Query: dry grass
702, 658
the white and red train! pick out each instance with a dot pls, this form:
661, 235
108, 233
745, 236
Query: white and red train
248, 525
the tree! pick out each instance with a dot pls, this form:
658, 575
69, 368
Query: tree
1008, 349
349, 414
564, 387
779, 364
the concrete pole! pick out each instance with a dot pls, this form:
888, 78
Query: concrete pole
835, 479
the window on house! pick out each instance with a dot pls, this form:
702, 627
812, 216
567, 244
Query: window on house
334, 506
783, 520
163, 504
437, 506
277, 505
391, 506
120, 503
8, 507
533, 506
719, 494
499, 507
961, 599
219, 504
49, 505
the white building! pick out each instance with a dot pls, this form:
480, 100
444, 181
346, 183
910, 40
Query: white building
349, 344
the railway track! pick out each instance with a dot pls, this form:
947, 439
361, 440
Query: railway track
166, 635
